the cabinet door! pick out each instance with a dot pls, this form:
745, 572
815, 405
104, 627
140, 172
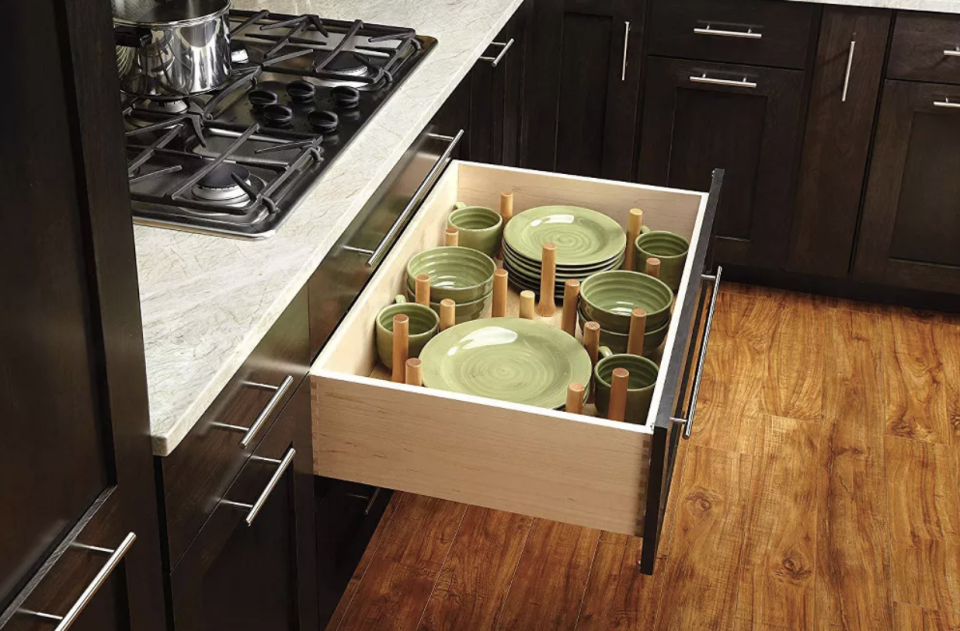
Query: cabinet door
253, 566
911, 216
843, 105
743, 119
582, 87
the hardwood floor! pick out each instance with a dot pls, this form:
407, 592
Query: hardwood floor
819, 492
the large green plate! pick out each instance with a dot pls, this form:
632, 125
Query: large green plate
582, 236
507, 359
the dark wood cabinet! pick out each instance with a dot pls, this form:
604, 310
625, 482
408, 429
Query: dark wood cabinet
843, 103
911, 216
699, 116
582, 87
925, 47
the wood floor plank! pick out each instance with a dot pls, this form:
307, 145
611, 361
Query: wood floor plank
853, 567
704, 560
914, 382
913, 618
947, 340
924, 524
777, 585
477, 574
548, 588
793, 379
401, 577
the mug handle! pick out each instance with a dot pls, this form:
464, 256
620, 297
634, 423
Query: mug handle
401, 300
605, 352
459, 205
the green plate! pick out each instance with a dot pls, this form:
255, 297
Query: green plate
518, 262
583, 236
508, 359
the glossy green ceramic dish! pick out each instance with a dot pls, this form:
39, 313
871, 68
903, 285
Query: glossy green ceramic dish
423, 326
508, 359
582, 236
479, 228
670, 248
533, 268
617, 342
610, 297
461, 274
643, 378
464, 312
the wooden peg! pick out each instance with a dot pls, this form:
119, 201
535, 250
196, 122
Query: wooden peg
451, 236
571, 293
423, 290
414, 372
575, 398
619, 384
653, 267
591, 340
634, 227
526, 304
448, 313
506, 206
638, 327
548, 277
401, 346
500, 278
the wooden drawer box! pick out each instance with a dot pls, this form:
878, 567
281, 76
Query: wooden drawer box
756, 32
198, 471
518, 458
926, 47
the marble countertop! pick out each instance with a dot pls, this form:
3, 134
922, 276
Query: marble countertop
936, 6
207, 301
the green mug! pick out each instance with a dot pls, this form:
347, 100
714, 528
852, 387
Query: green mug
479, 228
670, 248
424, 323
643, 378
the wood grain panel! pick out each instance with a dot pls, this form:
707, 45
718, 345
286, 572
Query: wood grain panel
793, 381
913, 618
947, 339
550, 582
705, 553
924, 524
780, 552
477, 575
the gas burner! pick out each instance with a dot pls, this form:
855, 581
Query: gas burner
173, 106
347, 64
221, 185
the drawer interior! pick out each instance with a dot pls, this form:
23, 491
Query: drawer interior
547, 463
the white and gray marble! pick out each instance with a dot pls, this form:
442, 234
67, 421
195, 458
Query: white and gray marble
207, 301
936, 6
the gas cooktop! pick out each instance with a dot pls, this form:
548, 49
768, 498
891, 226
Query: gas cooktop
236, 161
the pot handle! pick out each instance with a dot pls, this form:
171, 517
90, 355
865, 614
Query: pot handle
131, 36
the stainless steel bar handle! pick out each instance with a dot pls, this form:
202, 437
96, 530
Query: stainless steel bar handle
846, 77
952, 53
729, 82
65, 621
626, 48
250, 432
254, 509
387, 241
946, 102
495, 61
709, 30
702, 360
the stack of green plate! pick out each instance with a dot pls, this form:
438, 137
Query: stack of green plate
587, 242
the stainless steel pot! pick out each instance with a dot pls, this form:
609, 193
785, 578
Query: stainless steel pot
173, 48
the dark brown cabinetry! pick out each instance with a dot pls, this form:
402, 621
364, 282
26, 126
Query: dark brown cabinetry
582, 87
925, 47
744, 119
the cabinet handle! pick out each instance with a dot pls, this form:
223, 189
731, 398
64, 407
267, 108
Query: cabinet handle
701, 362
729, 82
846, 77
250, 432
254, 509
709, 30
947, 103
65, 621
952, 53
495, 61
626, 48
377, 254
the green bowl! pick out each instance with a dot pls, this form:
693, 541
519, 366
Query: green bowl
467, 311
423, 326
610, 297
670, 248
479, 228
643, 379
461, 274
617, 342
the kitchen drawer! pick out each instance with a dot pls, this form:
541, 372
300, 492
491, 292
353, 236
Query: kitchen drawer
198, 471
757, 32
550, 464
926, 47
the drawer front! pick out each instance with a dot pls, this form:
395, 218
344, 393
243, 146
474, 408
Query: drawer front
925, 47
549, 464
756, 32
200, 468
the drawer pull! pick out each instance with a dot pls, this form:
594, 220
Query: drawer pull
65, 621
709, 30
952, 53
846, 77
701, 362
947, 103
626, 47
250, 432
495, 61
728, 82
388, 239
254, 509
